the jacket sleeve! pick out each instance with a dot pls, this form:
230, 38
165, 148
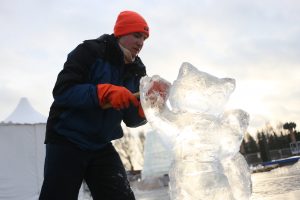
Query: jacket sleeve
72, 88
131, 117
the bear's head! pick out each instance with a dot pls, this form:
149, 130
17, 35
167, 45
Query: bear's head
199, 92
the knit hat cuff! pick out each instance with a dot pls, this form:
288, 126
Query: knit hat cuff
131, 28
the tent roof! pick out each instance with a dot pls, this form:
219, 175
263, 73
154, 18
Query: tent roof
24, 113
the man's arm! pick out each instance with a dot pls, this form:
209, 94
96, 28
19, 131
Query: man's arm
72, 88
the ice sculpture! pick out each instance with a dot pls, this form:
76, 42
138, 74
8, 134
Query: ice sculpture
204, 138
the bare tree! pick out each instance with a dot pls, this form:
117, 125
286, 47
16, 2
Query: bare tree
123, 146
130, 148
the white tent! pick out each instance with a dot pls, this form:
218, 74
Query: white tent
24, 113
22, 153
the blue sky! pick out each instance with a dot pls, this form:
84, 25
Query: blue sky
255, 42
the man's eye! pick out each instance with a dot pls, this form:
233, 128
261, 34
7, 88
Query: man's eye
137, 35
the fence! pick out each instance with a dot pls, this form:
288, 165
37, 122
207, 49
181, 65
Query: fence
255, 158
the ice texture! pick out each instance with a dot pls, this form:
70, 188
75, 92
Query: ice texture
203, 137
193, 86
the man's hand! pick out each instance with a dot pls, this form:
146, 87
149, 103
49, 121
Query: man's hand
119, 97
158, 89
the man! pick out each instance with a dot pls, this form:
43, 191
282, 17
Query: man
93, 93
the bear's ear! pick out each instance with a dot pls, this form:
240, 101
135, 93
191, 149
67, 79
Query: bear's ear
186, 69
188, 74
228, 85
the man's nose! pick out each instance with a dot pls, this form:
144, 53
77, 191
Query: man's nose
140, 42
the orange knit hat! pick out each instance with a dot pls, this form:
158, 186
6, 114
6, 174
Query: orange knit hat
130, 22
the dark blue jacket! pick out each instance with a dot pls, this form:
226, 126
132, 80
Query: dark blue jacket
75, 116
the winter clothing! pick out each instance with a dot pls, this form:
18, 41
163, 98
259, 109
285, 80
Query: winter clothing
75, 115
159, 87
66, 167
79, 132
80, 126
130, 22
119, 97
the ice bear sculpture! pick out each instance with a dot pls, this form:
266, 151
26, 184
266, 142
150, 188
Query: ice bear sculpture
204, 138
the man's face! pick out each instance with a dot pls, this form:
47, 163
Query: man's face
133, 42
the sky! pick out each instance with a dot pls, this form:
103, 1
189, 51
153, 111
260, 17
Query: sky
255, 42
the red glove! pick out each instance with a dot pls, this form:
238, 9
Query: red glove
119, 97
141, 111
159, 87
